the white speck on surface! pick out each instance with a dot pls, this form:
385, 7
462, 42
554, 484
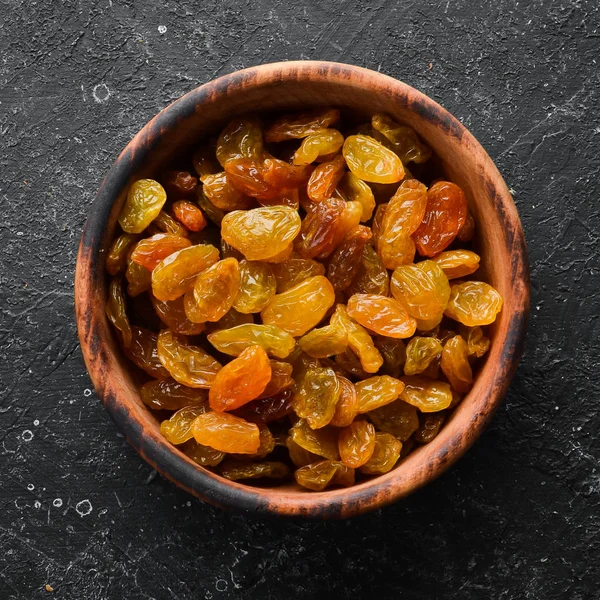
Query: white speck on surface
31, 487
27, 435
87, 392
36, 422
57, 502
83, 508
101, 93
37, 504
162, 29
556, 408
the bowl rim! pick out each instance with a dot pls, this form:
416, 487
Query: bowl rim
130, 421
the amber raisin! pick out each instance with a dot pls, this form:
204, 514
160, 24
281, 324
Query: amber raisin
356, 443
226, 433
261, 233
444, 217
300, 308
275, 341
473, 303
241, 380
187, 364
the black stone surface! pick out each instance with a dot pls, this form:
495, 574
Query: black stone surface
518, 517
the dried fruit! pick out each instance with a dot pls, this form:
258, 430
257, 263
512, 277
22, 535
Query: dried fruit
382, 315
324, 179
189, 215
179, 428
173, 315
467, 231
215, 289
457, 263
265, 410
377, 391
317, 145
203, 455
385, 455
285, 256
371, 161
291, 127
473, 303
429, 427
236, 470
241, 139
116, 310
275, 341
352, 189
320, 229
294, 270
241, 380
226, 433
257, 286
359, 340
213, 213
315, 397
116, 261
174, 275
170, 395
455, 364
322, 442
397, 418
139, 279
477, 343
403, 140
323, 342
371, 276
143, 352
179, 183
422, 288
281, 379
300, 308
346, 260
187, 364
261, 233
393, 352
222, 193
145, 200
167, 224
402, 216
348, 364
444, 217
356, 443
149, 252
280, 174
318, 476
299, 456
426, 394
420, 352
346, 407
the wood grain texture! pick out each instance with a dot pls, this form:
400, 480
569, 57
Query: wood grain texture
295, 85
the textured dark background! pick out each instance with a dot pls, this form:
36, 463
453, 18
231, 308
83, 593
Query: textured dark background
518, 517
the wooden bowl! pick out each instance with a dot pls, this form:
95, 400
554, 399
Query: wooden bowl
297, 85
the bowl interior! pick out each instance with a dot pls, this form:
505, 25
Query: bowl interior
184, 125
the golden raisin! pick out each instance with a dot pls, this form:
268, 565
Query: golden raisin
356, 443
241, 380
226, 433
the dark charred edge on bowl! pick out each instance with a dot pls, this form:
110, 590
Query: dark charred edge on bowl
158, 452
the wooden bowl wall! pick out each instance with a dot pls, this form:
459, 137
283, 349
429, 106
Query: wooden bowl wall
296, 85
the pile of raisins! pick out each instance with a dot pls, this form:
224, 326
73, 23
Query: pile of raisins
302, 303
